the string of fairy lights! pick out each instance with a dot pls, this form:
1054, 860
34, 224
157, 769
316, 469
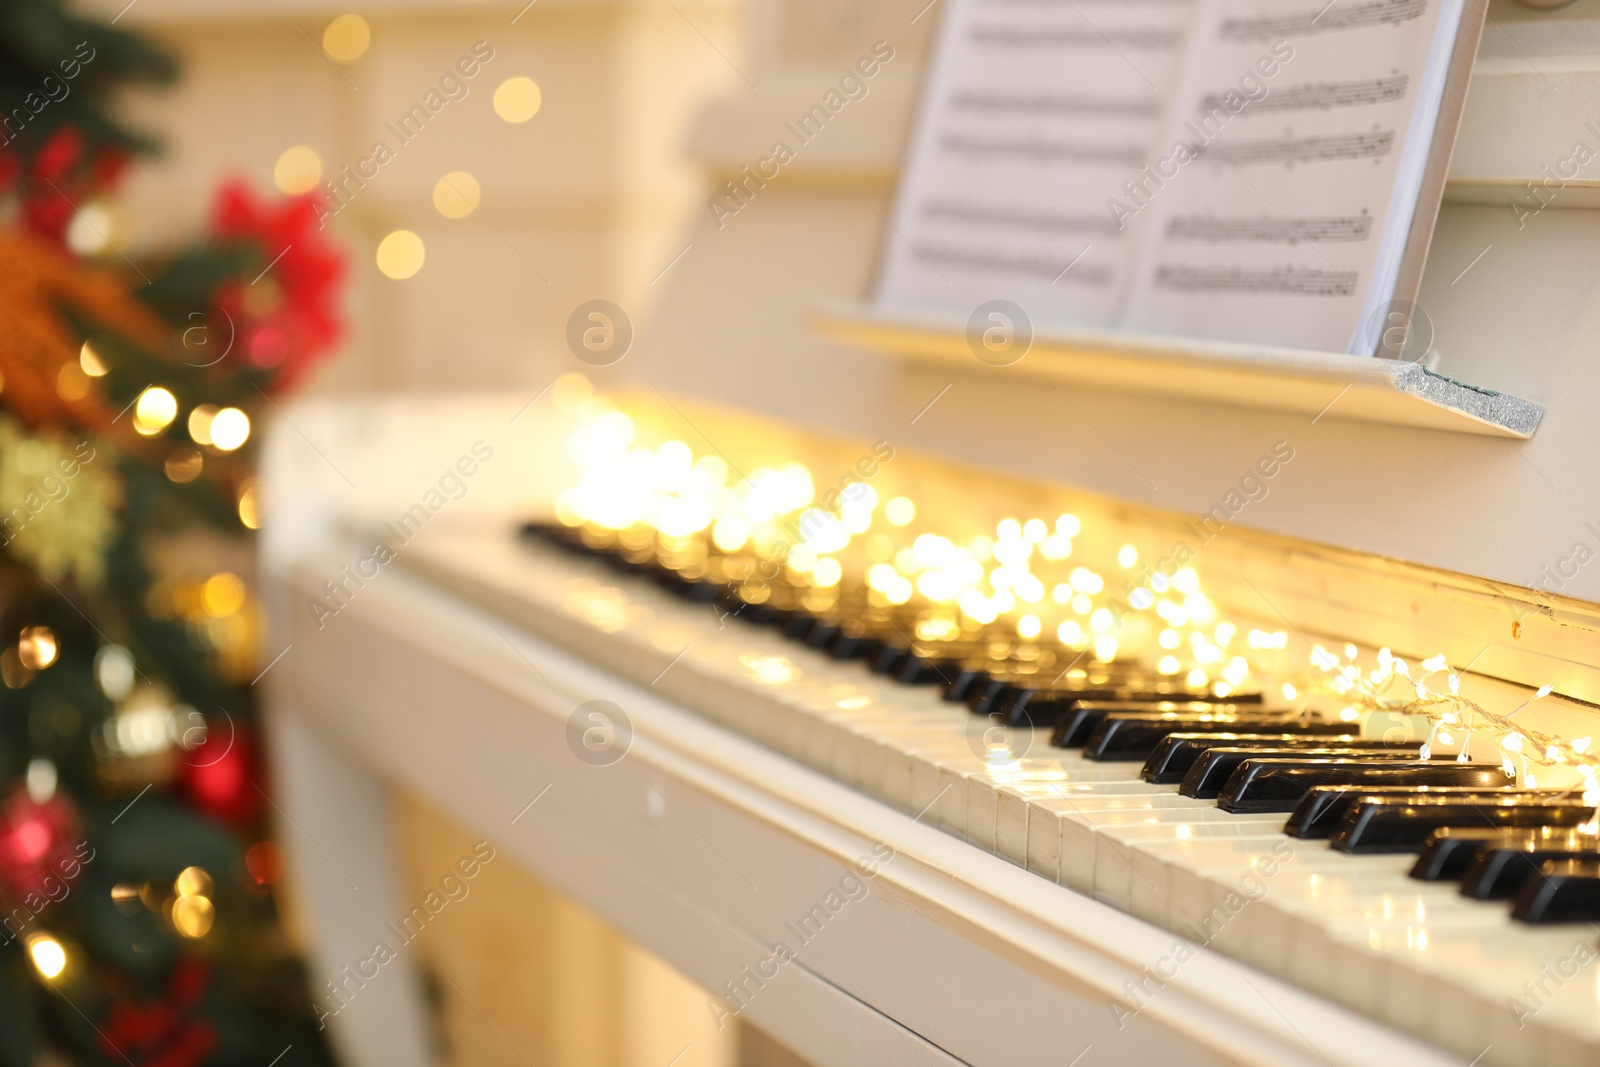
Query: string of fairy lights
1028, 578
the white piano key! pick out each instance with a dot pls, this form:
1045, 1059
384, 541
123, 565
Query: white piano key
1151, 888
1114, 848
1347, 927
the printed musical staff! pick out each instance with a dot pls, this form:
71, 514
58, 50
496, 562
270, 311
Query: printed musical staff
991, 261
1018, 218
1322, 96
1328, 19
1085, 36
1321, 148
1000, 104
1297, 281
1244, 170
1269, 229
1043, 148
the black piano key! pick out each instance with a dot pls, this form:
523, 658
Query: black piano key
1125, 735
1265, 785
1088, 711
966, 680
934, 662
892, 659
1402, 824
1498, 867
1215, 766
539, 531
1563, 891
798, 624
822, 633
1449, 850
983, 697
1177, 752
704, 591
920, 669
1323, 807
862, 638
1058, 706
731, 605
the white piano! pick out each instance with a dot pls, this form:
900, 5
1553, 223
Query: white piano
842, 859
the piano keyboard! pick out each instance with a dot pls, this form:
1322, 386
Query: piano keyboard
1169, 805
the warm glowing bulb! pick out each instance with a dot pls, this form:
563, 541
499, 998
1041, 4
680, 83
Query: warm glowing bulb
1127, 556
48, 957
347, 38
230, 428
827, 572
456, 195
900, 511
297, 171
92, 362
37, 647
154, 411
222, 594
192, 882
400, 255
200, 423
1029, 627
250, 506
730, 533
571, 392
517, 99
192, 916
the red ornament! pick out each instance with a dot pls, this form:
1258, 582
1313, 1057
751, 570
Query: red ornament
58, 178
220, 774
42, 849
163, 1033
287, 317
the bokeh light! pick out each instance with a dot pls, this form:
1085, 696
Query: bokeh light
456, 195
230, 428
48, 956
347, 38
297, 171
400, 255
517, 99
91, 360
154, 411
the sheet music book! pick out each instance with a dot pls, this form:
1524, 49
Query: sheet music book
1263, 171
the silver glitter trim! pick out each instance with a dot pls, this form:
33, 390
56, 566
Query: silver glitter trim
1512, 414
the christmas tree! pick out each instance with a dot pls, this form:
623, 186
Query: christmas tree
137, 921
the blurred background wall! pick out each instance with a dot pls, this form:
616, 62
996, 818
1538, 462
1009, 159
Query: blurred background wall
583, 200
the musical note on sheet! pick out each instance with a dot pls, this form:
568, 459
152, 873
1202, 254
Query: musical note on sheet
1289, 224
1242, 170
1034, 111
